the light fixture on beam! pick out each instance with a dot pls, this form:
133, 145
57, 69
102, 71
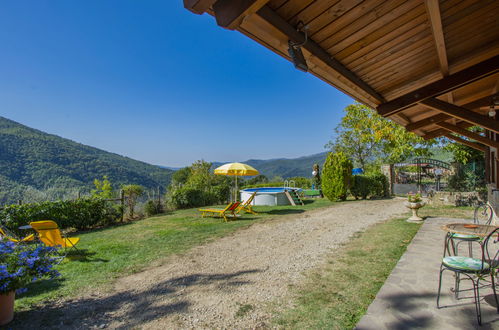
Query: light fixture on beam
295, 51
492, 111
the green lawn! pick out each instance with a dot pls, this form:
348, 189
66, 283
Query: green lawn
336, 295
124, 249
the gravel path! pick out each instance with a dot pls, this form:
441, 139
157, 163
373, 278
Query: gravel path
228, 283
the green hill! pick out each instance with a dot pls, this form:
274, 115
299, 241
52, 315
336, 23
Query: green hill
34, 163
285, 167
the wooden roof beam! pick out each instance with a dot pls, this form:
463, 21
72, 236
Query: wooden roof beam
230, 13
282, 25
198, 6
427, 121
471, 144
442, 86
433, 10
440, 132
462, 113
469, 134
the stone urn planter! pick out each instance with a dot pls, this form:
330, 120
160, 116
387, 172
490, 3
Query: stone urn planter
415, 206
7, 307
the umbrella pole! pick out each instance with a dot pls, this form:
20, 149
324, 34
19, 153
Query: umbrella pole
235, 193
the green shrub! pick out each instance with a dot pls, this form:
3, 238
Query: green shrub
336, 176
153, 207
80, 214
185, 197
374, 185
380, 187
361, 186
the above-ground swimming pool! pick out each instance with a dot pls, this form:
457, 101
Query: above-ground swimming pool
267, 196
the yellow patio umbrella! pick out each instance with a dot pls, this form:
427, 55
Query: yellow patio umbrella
236, 169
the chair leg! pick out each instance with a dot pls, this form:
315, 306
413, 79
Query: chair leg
494, 289
439, 286
457, 285
477, 300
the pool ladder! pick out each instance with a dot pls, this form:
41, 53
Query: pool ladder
289, 184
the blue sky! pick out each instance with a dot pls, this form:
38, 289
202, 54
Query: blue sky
152, 81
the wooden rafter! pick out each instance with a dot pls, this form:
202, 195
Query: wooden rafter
230, 13
198, 6
282, 25
462, 113
433, 10
469, 134
442, 86
471, 144
427, 121
440, 131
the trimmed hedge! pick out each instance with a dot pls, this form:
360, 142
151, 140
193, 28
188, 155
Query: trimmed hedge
336, 176
375, 185
80, 214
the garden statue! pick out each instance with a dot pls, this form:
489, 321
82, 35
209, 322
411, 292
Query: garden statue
316, 173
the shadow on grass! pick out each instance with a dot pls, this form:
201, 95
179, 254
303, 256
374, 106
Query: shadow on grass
133, 308
83, 255
41, 286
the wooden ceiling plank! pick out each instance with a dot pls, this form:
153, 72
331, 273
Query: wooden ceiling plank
441, 86
278, 22
469, 134
198, 6
230, 13
433, 10
471, 144
462, 113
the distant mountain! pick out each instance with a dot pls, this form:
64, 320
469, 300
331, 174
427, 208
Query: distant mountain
285, 167
34, 163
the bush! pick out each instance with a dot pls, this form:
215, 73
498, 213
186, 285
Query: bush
153, 207
361, 186
336, 176
374, 185
80, 214
185, 197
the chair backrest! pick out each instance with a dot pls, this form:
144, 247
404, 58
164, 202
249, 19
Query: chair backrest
6, 233
233, 206
250, 200
48, 232
490, 250
483, 214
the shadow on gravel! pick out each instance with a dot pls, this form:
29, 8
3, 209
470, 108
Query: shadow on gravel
283, 212
141, 307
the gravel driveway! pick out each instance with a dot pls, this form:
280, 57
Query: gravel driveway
228, 283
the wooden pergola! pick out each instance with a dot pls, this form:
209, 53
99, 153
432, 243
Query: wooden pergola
429, 65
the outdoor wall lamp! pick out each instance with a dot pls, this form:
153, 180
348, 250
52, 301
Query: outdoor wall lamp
295, 51
492, 111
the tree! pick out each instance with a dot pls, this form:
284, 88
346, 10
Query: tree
103, 189
132, 192
336, 176
369, 138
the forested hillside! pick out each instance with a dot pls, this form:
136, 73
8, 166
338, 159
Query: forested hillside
285, 167
34, 163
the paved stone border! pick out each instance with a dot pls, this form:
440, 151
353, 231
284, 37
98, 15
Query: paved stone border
407, 300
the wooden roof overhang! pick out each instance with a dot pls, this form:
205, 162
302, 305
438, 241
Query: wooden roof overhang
431, 66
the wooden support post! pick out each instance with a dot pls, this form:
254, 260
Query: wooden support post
122, 200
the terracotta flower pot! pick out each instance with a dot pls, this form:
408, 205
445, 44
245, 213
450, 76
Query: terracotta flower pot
7, 307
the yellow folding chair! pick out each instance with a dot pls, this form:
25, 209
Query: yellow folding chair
5, 233
49, 233
246, 206
228, 211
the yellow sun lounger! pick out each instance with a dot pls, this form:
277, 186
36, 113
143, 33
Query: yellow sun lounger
246, 206
49, 233
230, 210
4, 233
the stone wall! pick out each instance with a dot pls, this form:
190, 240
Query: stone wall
456, 198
